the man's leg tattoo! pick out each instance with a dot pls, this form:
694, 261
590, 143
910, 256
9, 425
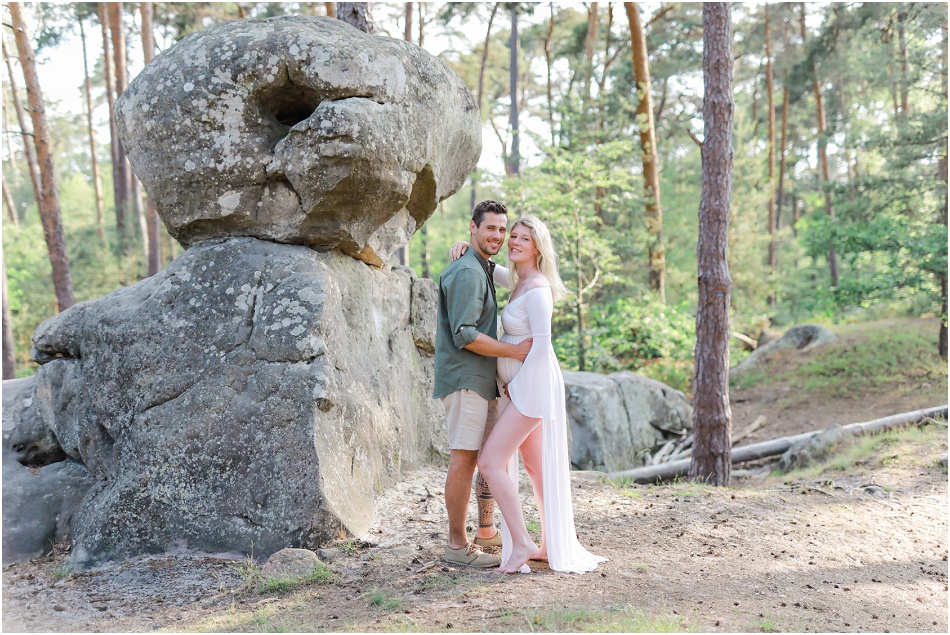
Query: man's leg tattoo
486, 503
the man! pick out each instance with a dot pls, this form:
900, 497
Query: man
466, 349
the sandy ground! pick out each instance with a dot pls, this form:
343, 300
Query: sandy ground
864, 549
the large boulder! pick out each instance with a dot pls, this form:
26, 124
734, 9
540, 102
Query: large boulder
614, 417
802, 337
299, 130
38, 502
252, 396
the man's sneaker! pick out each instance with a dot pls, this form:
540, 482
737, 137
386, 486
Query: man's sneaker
494, 541
471, 555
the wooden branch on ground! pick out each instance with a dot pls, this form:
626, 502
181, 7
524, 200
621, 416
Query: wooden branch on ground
754, 451
755, 425
750, 343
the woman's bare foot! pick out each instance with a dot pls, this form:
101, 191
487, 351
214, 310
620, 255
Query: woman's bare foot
541, 554
519, 557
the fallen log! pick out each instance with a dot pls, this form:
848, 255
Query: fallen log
754, 451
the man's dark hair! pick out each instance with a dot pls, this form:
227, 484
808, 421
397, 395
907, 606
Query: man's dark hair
494, 207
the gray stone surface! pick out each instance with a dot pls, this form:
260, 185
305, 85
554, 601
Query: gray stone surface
250, 397
38, 504
615, 417
802, 337
290, 564
300, 130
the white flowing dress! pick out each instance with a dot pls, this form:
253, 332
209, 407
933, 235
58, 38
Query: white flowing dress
537, 390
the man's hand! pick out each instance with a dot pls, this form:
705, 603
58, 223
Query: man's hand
522, 350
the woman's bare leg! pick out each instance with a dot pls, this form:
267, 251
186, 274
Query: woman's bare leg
509, 433
531, 455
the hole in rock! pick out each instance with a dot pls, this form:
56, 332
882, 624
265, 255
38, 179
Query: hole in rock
285, 106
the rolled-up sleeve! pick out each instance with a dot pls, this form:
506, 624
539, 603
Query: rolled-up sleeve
464, 303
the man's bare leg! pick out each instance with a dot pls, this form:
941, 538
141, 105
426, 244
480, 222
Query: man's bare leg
486, 509
458, 491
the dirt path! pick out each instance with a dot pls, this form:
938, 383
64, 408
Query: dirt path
864, 549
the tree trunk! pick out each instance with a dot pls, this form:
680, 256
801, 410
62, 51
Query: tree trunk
712, 417
548, 62
513, 167
14, 213
902, 52
331, 9
93, 151
822, 156
28, 147
770, 93
357, 14
49, 192
481, 89
9, 352
122, 171
942, 276
147, 10
780, 196
8, 202
942, 176
589, 41
109, 77
651, 173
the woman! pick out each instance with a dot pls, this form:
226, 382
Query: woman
532, 418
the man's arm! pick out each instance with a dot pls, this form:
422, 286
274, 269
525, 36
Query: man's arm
485, 345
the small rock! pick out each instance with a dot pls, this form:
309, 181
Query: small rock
875, 490
290, 563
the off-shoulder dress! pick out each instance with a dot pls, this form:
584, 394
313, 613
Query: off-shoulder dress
536, 389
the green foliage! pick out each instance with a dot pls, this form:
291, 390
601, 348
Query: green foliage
383, 599
632, 334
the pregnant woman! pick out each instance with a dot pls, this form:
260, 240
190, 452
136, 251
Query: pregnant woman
532, 418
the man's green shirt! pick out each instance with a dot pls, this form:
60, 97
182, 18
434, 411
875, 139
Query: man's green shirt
467, 307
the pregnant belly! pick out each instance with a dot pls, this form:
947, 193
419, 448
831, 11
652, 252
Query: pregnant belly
507, 367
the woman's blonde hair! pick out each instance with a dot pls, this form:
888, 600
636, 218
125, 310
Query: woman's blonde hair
546, 258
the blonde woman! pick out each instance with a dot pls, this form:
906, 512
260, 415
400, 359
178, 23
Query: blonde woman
532, 417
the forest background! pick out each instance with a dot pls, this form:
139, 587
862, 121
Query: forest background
839, 188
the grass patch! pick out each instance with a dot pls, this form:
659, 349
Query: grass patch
586, 620
870, 356
885, 448
350, 547
632, 493
62, 572
320, 575
253, 578
383, 599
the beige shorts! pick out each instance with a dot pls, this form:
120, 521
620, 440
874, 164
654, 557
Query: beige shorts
470, 418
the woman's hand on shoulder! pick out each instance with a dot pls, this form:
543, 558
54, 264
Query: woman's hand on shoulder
457, 250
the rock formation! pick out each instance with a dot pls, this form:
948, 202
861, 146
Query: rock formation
802, 337
299, 130
257, 393
614, 417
